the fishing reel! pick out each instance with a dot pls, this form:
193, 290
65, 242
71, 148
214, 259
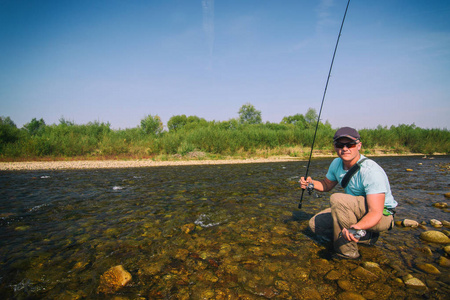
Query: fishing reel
310, 188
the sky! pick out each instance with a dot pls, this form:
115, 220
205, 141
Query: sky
119, 61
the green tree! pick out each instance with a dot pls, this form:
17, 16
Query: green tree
152, 125
297, 120
311, 116
249, 115
35, 126
9, 132
177, 122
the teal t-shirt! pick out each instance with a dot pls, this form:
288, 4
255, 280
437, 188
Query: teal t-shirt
370, 179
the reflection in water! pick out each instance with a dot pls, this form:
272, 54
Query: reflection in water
206, 232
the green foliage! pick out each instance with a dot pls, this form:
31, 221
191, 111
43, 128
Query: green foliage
188, 134
152, 125
249, 115
35, 127
8, 131
311, 117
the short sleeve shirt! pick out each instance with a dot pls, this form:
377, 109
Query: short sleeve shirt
370, 179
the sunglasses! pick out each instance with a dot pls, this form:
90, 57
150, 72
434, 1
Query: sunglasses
342, 145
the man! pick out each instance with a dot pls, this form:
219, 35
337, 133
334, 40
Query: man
366, 204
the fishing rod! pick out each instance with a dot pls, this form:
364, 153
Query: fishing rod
310, 187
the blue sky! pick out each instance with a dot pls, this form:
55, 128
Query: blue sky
119, 61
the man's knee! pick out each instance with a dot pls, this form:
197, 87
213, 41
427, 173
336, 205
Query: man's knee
336, 199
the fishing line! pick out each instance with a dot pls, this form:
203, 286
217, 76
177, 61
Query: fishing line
321, 106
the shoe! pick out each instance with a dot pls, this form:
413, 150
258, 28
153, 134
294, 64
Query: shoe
370, 238
340, 256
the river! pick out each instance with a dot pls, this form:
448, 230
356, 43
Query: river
208, 232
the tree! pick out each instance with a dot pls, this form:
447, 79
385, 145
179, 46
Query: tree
177, 122
311, 116
249, 115
9, 132
297, 120
152, 125
35, 126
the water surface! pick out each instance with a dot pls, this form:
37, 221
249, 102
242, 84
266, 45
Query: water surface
61, 230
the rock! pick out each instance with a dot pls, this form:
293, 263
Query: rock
429, 268
346, 285
447, 195
436, 223
409, 170
433, 236
414, 283
350, 296
410, 223
333, 275
113, 279
444, 262
440, 205
446, 224
447, 249
364, 275
188, 227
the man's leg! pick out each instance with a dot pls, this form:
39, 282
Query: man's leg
322, 224
346, 210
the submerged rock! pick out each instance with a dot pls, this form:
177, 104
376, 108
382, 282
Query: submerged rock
429, 268
447, 195
440, 205
113, 279
436, 223
188, 227
413, 282
444, 262
410, 223
434, 236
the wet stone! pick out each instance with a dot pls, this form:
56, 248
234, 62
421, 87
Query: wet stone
433, 236
414, 283
350, 296
364, 275
429, 268
113, 279
444, 262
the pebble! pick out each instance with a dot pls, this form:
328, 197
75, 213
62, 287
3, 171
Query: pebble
447, 195
429, 268
433, 236
447, 249
409, 170
436, 223
444, 262
413, 282
440, 204
113, 279
410, 223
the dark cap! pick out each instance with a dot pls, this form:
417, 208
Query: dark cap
347, 132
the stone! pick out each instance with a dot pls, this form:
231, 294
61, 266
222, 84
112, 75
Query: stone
436, 223
429, 268
447, 249
444, 262
447, 195
440, 205
113, 279
410, 223
414, 283
364, 275
350, 296
446, 224
434, 236
188, 228
333, 275
409, 170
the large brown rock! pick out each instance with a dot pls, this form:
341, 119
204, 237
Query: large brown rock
113, 279
434, 236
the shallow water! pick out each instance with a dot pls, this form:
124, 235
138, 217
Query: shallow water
61, 230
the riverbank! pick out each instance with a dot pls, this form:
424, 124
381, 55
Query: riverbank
137, 163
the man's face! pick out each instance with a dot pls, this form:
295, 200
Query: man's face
347, 152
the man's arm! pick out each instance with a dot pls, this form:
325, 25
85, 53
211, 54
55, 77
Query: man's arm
324, 185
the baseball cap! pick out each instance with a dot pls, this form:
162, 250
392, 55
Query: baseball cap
347, 132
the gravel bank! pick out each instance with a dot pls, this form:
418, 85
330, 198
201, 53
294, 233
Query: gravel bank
109, 164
